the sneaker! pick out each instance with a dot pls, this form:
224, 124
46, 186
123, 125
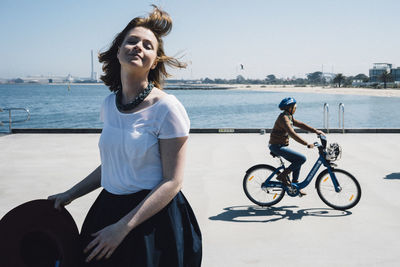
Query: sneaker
302, 193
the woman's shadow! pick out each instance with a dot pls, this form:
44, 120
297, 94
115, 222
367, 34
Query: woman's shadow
272, 214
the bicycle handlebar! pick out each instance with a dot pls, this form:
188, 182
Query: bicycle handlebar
323, 140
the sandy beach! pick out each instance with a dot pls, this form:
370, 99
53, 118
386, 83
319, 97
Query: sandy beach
320, 90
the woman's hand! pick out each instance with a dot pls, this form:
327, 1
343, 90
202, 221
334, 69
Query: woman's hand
61, 199
310, 145
319, 132
106, 241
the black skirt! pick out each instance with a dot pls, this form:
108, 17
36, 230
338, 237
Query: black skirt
171, 237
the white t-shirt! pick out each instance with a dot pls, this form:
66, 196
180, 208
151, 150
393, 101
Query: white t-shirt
129, 149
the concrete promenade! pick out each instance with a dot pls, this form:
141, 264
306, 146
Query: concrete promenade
295, 232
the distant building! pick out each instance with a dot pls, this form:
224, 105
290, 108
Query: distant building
357, 82
379, 68
396, 75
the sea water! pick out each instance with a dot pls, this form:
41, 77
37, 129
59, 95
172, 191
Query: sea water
77, 106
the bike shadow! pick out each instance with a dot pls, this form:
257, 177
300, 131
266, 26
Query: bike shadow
272, 214
393, 176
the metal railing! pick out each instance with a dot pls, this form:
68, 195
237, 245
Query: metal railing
10, 120
341, 118
340, 115
326, 117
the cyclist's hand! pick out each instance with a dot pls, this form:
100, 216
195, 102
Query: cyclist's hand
310, 145
319, 132
60, 200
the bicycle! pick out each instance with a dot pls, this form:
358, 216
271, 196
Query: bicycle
337, 188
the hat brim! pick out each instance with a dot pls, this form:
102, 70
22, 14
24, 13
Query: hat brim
36, 234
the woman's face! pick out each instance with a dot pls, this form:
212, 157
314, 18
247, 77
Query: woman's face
139, 50
292, 109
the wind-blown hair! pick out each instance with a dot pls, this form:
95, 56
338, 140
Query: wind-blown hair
160, 23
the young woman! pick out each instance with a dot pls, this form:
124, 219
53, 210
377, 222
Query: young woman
141, 217
279, 140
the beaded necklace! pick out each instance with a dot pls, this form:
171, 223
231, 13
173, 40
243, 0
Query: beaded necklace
135, 102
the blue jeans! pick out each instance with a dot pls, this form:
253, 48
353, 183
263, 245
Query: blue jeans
297, 159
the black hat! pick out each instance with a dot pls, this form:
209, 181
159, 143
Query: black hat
36, 234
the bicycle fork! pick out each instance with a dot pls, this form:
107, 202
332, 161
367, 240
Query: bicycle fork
335, 182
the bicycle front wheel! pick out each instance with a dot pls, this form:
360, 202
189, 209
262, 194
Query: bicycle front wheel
254, 189
349, 194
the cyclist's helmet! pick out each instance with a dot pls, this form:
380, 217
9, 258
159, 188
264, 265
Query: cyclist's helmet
286, 102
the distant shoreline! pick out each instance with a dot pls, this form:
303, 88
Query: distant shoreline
265, 88
321, 90
296, 89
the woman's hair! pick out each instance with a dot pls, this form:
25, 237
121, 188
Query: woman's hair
160, 23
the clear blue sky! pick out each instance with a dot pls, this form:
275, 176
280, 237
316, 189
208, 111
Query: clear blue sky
286, 38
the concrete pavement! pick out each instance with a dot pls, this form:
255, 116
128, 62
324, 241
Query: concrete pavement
295, 232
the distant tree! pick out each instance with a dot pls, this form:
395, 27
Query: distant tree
207, 80
315, 77
270, 78
362, 77
219, 81
339, 79
299, 81
348, 81
18, 80
256, 81
385, 78
240, 79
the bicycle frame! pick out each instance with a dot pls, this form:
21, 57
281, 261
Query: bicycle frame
320, 161
295, 187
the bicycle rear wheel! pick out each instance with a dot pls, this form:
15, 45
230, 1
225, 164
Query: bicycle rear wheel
252, 186
349, 194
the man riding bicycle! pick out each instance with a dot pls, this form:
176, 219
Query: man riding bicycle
279, 140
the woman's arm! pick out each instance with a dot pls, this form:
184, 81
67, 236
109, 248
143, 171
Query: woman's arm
289, 129
306, 127
173, 153
87, 185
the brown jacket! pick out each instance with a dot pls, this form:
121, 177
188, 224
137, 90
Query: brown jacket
283, 128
